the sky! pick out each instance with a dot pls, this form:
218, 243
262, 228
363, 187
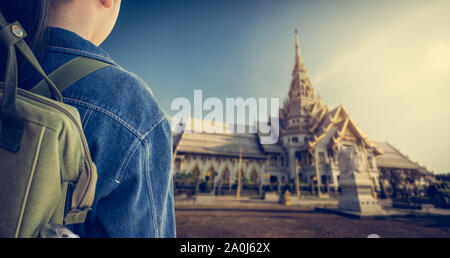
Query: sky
387, 62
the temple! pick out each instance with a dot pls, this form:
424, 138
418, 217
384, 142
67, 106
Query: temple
311, 135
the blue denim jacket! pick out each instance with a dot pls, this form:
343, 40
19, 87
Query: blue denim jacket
130, 142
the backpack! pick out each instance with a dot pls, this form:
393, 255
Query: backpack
43, 150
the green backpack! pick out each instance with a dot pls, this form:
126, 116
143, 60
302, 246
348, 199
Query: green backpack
43, 149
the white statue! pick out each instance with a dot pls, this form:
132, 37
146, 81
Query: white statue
355, 183
351, 160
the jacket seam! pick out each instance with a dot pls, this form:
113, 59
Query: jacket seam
106, 112
121, 172
124, 164
79, 51
86, 117
150, 188
130, 153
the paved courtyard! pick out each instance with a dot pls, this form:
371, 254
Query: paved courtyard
228, 217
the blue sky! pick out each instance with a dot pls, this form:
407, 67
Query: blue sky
387, 62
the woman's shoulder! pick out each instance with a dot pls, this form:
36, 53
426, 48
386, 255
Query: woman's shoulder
121, 95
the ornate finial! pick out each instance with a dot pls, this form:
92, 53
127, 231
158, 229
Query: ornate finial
299, 66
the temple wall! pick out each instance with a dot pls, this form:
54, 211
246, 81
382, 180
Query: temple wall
220, 165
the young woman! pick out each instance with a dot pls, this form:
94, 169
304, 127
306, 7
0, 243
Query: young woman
128, 135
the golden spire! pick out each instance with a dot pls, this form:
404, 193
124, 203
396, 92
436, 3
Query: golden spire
299, 65
300, 84
301, 92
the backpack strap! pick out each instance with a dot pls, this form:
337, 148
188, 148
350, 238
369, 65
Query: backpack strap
11, 39
69, 73
63, 77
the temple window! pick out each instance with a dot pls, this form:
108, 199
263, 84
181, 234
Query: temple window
178, 164
370, 160
254, 177
242, 175
295, 139
208, 175
324, 179
273, 160
273, 179
196, 172
226, 175
321, 157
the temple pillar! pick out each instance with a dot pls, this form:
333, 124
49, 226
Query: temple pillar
291, 163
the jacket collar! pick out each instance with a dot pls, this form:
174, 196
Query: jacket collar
68, 42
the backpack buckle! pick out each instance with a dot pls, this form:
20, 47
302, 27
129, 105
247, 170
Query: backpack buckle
12, 33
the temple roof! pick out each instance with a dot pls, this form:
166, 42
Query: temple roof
346, 127
221, 144
393, 158
272, 148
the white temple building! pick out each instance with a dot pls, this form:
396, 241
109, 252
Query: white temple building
311, 134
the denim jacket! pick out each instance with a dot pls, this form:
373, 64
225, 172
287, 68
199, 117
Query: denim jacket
130, 141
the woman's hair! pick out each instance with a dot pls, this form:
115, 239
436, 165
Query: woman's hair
34, 16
